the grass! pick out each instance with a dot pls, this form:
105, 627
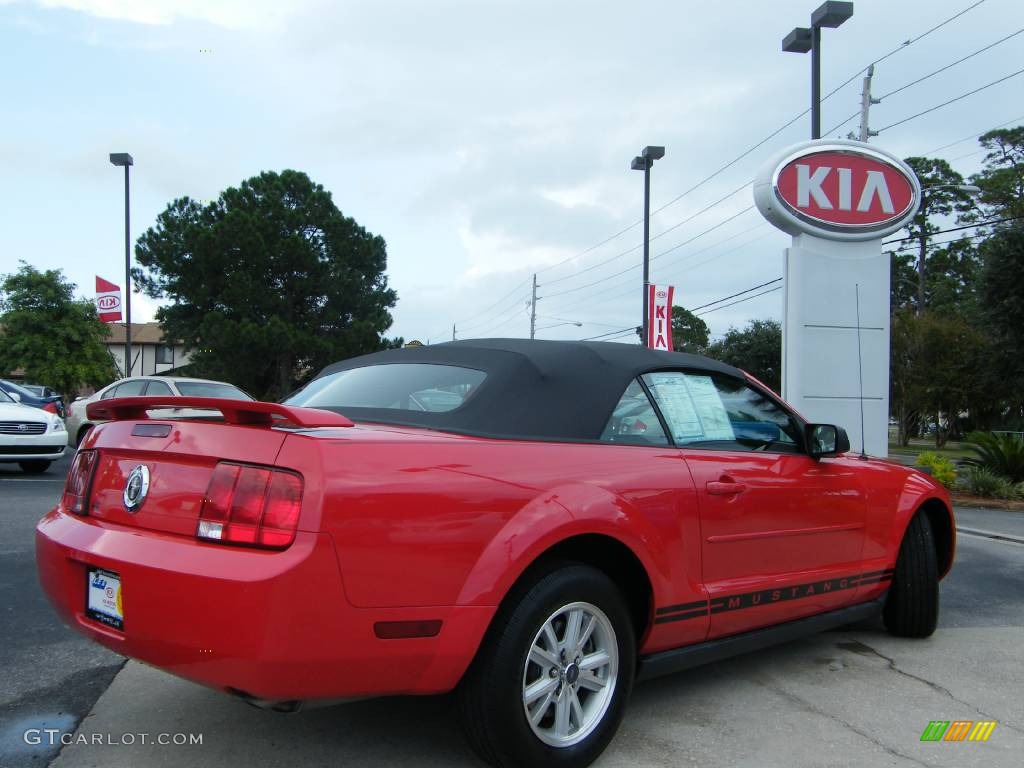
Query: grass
953, 449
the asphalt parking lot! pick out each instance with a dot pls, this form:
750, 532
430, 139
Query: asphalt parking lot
851, 697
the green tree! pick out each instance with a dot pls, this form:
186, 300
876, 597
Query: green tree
1002, 299
937, 371
757, 349
1002, 180
268, 283
56, 339
689, 332
939, 197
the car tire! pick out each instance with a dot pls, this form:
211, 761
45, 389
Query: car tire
81, 435
912, 605
34, 467
576, 706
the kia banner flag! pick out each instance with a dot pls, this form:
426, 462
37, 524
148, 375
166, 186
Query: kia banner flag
108, 300
659, 316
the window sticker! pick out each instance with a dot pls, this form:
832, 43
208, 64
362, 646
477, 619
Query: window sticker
692, 406
674, 399
710, 409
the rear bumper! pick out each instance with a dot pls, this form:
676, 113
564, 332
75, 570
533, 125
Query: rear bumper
271, 625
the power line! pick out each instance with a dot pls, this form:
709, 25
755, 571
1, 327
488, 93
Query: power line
951, 101
664, 232
733, 296
949, 66
740, 301
921, 79
953, 229
973, 136
610, 333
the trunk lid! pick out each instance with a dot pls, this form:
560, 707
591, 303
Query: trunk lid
177, 458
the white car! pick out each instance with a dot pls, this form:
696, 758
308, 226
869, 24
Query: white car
78, 422
32, 437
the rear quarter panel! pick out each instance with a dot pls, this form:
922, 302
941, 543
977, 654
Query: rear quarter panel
433, 519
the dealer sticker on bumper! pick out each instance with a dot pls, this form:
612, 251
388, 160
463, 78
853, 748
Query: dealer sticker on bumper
104, 598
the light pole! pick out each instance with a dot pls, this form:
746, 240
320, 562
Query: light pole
968, 189
124, 159
643, 162
801, 40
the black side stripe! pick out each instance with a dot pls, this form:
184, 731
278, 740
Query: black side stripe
670, 613
681, 607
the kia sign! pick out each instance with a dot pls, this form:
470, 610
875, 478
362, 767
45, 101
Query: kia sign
659, 317
108, 300
837, 190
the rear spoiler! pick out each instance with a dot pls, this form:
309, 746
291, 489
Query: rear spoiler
234, 411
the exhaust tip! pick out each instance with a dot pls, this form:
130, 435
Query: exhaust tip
284, 707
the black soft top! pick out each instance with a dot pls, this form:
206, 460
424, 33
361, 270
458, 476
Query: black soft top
548, 390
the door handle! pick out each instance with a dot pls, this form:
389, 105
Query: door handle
719, 488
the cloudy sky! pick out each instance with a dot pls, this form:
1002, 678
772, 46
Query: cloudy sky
485, 140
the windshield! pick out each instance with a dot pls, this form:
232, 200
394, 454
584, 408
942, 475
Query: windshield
211, 389
399, 386
17, 388
5, 398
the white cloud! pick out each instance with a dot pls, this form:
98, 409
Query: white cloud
232, 14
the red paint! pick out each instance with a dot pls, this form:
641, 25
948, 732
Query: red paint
405, 530
835, 188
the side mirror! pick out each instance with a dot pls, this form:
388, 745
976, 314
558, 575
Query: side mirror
15, 397
825, 440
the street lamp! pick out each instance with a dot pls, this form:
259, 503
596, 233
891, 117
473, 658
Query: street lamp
643, 162
124, 159
967, 189
801, 40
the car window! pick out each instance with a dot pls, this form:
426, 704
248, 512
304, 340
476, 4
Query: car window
131, 388
397, 386
158, 388
211, 389
719, 412
5, 398
634, 420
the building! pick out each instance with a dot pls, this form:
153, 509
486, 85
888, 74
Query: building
151, 352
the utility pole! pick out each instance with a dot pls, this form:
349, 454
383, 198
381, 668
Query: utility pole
866, 100
533, 308
453, 331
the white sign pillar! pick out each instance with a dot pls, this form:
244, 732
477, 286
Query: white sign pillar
838, 199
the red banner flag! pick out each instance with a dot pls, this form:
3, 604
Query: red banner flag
108, 300
659, 316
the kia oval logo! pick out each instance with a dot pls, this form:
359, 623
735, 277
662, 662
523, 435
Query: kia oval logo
107, 303
838, 190
136, 488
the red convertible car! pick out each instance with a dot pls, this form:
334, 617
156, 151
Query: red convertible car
533, 524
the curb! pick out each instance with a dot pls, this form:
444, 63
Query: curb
991, 535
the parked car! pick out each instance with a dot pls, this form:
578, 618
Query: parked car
79, 422
40, 391
570, 518
29, 436
51, 403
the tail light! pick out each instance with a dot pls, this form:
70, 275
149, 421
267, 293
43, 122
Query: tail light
52, 408
255, 506
76, 489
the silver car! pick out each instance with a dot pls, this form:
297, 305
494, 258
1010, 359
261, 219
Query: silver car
79, 424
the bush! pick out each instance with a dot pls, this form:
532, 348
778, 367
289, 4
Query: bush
941, 467
987, 484
1001, 454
